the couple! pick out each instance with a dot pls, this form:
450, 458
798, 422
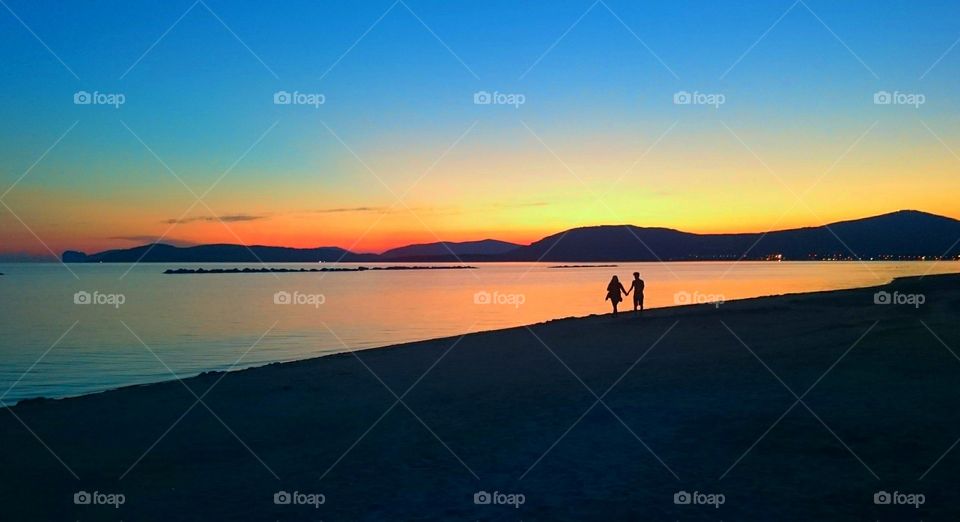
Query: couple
615, 289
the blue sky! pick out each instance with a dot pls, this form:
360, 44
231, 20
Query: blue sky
597, 77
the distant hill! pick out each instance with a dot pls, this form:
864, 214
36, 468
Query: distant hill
161, 253
903, 234
486, 247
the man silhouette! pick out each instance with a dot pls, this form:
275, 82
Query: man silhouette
637, 288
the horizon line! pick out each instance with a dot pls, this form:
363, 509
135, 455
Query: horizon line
28, 257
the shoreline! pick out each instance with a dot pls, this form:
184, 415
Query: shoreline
929, 259
335, 353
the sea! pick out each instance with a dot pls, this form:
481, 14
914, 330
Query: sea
68, 330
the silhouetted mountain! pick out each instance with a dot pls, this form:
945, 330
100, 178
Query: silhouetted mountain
72, 256
161, 253
906, 233
485, 247
903, 234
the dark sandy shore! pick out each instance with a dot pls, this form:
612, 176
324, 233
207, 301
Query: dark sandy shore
696, 399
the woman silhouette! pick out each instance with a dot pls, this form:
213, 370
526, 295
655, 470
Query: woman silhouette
615, 293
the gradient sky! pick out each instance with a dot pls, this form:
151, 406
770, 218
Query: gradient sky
598, 140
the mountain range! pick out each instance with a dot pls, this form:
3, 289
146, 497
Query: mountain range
906, 234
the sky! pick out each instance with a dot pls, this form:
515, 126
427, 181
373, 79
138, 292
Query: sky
183, 140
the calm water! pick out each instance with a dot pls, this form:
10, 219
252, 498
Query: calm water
195, 323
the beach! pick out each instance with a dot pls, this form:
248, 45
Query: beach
796, 407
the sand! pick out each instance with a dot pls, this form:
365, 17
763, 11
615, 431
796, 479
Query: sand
696, 399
